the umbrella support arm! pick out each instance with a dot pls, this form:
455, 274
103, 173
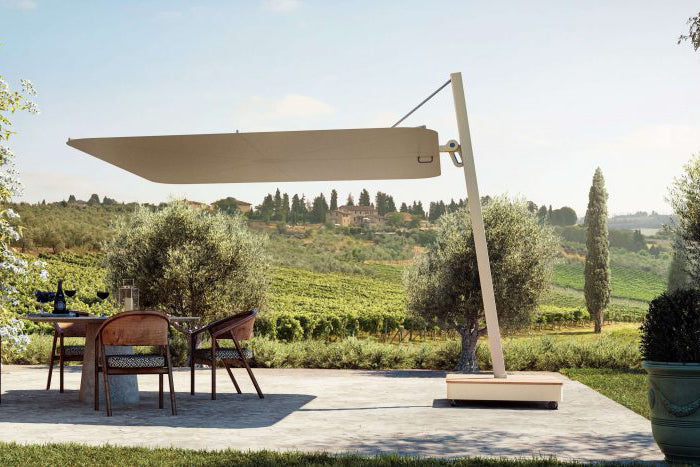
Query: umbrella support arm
474, 203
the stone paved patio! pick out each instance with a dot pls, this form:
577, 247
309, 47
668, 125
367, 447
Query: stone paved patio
327, 410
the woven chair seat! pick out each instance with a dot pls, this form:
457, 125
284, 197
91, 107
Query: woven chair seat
135, 361
223, 354
73, 350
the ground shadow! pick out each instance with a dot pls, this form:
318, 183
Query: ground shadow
231, 411
483, 442
405, 373
505, 405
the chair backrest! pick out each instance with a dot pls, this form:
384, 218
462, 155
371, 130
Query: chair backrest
72, 329
241, 325
135, 328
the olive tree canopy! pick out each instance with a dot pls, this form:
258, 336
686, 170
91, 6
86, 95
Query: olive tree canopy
189, 262
684, 196
443, 285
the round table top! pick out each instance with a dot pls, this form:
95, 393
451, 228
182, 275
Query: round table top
55, 318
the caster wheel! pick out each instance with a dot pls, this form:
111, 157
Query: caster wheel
552, 405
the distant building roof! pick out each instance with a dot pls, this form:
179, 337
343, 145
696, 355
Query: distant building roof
356, 208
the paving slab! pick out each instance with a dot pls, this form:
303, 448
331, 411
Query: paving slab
369, 412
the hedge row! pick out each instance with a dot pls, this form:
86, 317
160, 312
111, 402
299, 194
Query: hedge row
291, 327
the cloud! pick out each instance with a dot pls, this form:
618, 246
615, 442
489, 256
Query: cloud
281, 6
19, 4
289, 111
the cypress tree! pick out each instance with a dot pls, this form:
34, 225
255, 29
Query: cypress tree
350, 201
597, 268
364, 198
334, 200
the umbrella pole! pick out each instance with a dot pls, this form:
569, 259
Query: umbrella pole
474, 202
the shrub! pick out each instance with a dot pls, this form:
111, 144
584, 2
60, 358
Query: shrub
671, 329
189, 262
540, 353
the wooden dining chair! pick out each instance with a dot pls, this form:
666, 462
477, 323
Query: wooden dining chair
236, 328
66, 353
134, 328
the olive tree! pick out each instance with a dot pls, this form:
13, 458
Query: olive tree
684, 196
189, 262
443, 285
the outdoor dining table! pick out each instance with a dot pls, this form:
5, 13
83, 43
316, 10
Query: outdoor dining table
124, 389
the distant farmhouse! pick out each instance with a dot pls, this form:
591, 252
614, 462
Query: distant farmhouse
354, 215
223, 204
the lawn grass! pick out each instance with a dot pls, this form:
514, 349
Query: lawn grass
626, 387
80, 455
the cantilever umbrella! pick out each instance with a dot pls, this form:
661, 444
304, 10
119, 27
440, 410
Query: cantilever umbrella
354, 154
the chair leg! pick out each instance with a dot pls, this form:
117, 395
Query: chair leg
247, 367
96, 387
51, 359
173, 403
213, 369
61, 363
105, 380
232, 378
160, 390
192, 345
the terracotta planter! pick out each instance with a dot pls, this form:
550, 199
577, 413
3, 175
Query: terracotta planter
674, 398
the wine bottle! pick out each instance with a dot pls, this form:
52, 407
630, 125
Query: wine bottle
59, 301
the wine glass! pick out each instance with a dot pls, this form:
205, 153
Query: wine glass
102, 295
44, 298
71, 293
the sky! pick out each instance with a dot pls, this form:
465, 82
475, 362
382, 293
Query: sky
554, 89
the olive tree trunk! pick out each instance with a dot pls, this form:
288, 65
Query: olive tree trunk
467, 358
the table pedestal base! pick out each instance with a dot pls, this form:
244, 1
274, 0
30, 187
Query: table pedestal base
124, 389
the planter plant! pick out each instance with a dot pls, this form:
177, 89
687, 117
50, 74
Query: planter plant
671, 351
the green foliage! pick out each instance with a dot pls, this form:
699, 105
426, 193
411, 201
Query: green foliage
626, 282
81, 273
671, 329
189, 262
83, 455
228, 205
617, 350
627, 387
693, 35
678, 277
364, 198
685, 199
597, 267
443, 286
330, 250
73, 226
395, 219
563, 216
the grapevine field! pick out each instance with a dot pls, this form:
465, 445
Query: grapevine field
626, 282
303, 304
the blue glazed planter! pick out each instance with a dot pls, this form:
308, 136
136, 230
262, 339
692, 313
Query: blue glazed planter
674, 398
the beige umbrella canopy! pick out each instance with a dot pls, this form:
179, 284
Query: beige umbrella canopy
283, 156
